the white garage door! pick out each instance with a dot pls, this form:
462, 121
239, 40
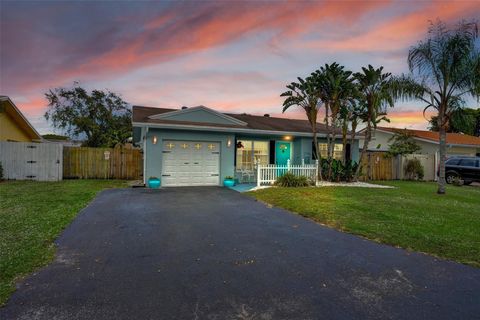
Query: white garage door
190, 163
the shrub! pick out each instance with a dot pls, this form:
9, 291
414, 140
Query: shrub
340, 171
1, 172
414, 169
291, 180
457, 181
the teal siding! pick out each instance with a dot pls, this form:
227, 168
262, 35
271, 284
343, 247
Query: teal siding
301, 148
154, 151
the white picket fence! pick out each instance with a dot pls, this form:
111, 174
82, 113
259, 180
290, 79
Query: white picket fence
268, 174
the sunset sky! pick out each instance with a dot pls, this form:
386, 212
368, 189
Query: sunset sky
231, 56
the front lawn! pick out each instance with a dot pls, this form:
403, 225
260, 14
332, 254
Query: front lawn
411, 216
32, 215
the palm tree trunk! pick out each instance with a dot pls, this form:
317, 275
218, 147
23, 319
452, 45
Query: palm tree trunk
443, 155
317, 152
368, 137
344, 140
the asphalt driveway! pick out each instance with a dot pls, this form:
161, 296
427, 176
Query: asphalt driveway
212, 253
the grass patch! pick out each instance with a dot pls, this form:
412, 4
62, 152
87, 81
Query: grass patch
32, 215
411, 216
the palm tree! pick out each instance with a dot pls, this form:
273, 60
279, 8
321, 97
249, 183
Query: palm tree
445, 70
349, 118
304, 94
375, 94
336, 89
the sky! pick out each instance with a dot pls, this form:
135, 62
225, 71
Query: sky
230, 56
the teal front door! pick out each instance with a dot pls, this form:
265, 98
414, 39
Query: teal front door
282, 152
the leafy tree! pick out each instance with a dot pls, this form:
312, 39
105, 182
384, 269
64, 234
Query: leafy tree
445, 70
402, 144
463, 120
305, 95
102, 118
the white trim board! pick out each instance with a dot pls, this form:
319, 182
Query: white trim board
189, 110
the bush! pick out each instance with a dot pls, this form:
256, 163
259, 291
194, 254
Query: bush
291, 180
414, 169
340, 171
1, 172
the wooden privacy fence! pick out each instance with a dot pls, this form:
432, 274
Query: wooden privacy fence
375, 166
102, 163
31, 161
268, 174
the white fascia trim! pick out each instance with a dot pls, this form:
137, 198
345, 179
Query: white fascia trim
188, 110
221, 129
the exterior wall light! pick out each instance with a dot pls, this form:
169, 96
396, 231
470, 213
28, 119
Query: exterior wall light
229, 143
154, 139
288, 138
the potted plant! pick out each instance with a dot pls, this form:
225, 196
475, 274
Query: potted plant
153, 182
229, 181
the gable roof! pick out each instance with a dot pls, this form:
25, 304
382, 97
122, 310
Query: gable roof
12, 110
434, 137
172, 114
244, 122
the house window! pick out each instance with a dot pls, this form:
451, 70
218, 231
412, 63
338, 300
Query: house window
250, 153
337, 150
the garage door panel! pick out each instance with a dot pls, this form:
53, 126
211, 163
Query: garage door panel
190, 163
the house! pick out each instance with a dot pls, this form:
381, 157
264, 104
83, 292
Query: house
13, 124
457, 143
201, 146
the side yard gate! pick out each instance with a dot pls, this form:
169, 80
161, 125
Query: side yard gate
31, 161
102, 163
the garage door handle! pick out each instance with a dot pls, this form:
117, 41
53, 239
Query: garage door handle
186, 163
195, 163
215, 175
165, 175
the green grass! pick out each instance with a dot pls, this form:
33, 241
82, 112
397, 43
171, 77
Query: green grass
411, 216
32, 215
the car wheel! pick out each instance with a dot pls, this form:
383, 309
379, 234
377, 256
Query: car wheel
450, 177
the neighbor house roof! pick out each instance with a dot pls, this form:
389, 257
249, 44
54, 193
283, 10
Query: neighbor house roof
452, 138
11, 109
144, 115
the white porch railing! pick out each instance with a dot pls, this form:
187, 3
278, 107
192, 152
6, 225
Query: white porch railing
268, 174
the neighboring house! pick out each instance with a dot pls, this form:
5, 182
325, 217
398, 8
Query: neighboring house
201, 146
13, 124
457, 143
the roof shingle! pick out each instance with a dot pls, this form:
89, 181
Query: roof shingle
452, 138
142, 114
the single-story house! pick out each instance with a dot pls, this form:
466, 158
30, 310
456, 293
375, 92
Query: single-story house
13, 124
457, 143
201, 146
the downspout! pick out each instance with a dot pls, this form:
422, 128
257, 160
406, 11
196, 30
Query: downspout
145, 156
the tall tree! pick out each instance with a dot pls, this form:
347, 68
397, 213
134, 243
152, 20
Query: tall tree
336, 89
102, 118
445, 70
305, 95
375, 94
463, 120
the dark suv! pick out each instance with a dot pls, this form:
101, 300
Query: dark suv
464, 168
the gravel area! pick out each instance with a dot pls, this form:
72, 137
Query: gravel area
352, 184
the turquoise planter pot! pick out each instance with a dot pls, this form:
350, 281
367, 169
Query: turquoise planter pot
228, 182
154, 183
